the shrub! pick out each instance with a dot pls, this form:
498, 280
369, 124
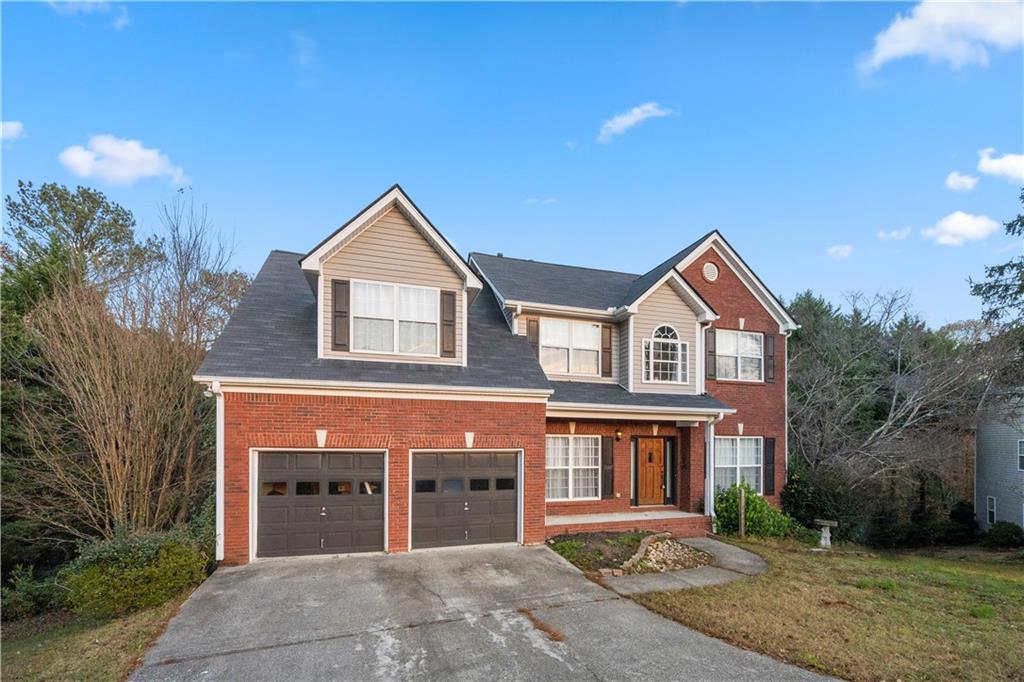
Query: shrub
1004, 535
27, 596
202, 527
761, 518
130, 572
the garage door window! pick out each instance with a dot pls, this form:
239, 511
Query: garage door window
339, 488
426, 485
478, 484
370, 488
307, 488
573, 467
452, 485
504, 484
274, 488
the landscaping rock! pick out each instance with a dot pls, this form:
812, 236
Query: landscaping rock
666, 554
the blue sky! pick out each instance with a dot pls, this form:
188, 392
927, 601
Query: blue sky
801, 131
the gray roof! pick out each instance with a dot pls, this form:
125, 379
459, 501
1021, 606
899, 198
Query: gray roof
526, 280
272, 335
614, 394
536, 282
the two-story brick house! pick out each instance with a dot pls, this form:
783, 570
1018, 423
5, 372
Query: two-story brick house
381, 393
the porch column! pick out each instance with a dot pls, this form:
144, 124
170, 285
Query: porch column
709, 468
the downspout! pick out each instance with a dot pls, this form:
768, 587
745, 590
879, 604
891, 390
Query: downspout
709, 464
218, 395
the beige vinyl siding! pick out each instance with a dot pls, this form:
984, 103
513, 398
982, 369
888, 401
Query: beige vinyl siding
664, 306
614, 378
392, 250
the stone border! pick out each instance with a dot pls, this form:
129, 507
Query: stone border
641, 551
730, 563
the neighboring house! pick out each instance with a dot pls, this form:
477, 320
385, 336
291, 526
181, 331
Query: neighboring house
382, 393
999, 470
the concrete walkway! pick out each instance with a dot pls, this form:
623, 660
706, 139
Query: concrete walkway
731, 563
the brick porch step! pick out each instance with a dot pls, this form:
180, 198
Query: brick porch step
679, 523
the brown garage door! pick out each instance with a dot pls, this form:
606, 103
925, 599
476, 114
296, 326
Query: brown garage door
463, 498
320, 503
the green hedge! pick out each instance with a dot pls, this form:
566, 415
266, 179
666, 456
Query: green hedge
761, 518
130, 572
1004, 535
131, 582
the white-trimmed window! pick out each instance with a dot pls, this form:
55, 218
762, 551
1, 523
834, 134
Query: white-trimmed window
383, 313
990, 509
739, 356
573, 467
1020, 455
738, 458
570, 347
666, 358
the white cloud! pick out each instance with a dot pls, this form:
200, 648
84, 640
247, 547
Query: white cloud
119, 161
121, 21
11, 130
959, 33
839, 251
960, 183
533, 201
620, 123
959, 227
71, 8
570, 144
304, 48
1010, 166
894, 235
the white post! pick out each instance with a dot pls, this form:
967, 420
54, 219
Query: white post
709, 468
219, 397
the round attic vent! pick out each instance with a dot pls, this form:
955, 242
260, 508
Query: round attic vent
710, 271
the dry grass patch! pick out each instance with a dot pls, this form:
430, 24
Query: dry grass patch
863, 616
82, 650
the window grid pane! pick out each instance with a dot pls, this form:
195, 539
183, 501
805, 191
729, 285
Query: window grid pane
738, 459
417, 305
373, 335
373, 300
585, 361
417, 337
573, 467
554, 359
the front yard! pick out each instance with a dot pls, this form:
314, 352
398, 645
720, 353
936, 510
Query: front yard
62, 647
865, 616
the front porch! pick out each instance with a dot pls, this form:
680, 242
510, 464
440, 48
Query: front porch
679, 523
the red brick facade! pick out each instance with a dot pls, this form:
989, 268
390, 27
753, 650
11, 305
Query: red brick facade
254, 420
760, 407
263, 420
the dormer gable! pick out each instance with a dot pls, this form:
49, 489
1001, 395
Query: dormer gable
390, 288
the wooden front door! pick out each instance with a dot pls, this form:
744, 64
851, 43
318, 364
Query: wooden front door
650, 467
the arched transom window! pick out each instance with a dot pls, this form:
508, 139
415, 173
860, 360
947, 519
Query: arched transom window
665, 356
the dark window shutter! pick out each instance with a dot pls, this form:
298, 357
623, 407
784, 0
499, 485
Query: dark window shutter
710, 364
607, 467
533, 334
769, 358
769, 466
606, 350
447, 324
339, 314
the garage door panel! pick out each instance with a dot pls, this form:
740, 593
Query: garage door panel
479, 460
452, 461
332, 517
307, 461
337, 461
368, 513
503, 507
505, 460
274, 461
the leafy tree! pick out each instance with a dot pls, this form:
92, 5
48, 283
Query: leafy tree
1002, 291
97, 235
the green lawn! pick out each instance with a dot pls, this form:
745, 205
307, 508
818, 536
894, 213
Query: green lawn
865, 616
81, 650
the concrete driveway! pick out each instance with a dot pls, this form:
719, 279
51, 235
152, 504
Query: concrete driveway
446, 614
